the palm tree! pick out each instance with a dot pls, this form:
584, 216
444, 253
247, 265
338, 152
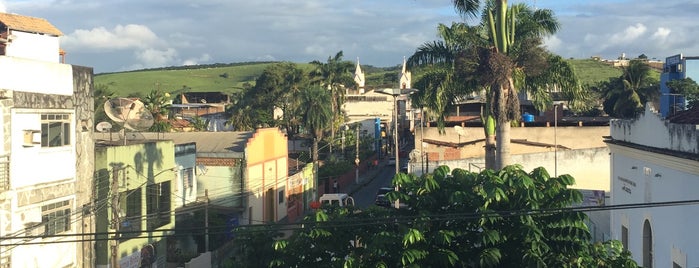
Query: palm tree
476, 59
625, 96
501, 65
316, 116
334, 75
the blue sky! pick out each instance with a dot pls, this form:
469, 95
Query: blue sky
118, 35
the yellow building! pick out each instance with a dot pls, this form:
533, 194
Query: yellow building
134, 202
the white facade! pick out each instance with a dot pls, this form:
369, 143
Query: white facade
653, 160
38, 200
33, 46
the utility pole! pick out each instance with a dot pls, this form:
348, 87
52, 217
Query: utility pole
206, 221
356, 158
116, 221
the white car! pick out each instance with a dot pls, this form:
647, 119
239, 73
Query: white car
391, 161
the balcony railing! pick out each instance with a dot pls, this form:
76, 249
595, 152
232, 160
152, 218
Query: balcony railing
4, 172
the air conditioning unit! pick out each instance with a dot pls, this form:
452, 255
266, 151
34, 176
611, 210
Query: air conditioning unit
32, 137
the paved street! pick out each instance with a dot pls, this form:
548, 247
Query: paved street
364, 194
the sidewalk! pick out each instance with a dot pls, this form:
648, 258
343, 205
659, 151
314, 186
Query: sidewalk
364, 178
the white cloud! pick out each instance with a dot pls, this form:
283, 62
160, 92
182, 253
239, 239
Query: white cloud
661, 33
630, 34
194, 61
552, 43
157, 58
3, 7
121, 37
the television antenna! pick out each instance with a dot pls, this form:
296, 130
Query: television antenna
460, 131
130, 114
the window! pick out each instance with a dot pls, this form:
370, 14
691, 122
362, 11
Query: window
187, 179
130, 204
158, 204
55, 130
281, 196
56, 217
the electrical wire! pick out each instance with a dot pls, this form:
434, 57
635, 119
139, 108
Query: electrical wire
359, 222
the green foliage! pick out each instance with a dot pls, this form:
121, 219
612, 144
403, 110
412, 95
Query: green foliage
334, 168
625, 96
688, 88
509, 218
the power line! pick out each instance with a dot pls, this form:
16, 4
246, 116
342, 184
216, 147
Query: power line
357, 222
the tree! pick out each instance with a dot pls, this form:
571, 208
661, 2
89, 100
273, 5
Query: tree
101, 94
625, 96
158, 103
474, 58
688, 88
509, 218
316, 116
199, 123
277, 87
334, 75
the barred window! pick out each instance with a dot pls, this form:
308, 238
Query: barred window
56, 217
55, 130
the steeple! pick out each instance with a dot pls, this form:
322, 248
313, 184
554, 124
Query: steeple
405, 76
359, 77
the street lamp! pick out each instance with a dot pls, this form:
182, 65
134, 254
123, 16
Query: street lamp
395, 92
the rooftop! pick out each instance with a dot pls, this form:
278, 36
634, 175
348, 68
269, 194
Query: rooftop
209, 144
28, 24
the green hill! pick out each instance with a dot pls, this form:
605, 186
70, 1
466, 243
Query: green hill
591, 71
231, 78
206, 78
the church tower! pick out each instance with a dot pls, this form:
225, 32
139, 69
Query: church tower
359, 78
405, 77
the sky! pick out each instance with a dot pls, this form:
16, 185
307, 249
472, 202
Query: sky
121, 35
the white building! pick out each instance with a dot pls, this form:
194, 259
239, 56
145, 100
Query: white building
45, 167
656, 160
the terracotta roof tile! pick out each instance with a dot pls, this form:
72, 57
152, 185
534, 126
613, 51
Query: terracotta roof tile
28, 24
685, 117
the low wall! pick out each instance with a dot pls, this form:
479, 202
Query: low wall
590, 167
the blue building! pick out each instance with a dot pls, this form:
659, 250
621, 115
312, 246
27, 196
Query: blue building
676, 67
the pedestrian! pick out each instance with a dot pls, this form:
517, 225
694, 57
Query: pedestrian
336, 188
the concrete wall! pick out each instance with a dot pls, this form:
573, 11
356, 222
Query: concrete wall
651, 130
590, 167
36, 76
570, 137
42, 47
653, 160
642, 177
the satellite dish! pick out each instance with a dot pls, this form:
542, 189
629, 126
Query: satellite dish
103, 126
132, 114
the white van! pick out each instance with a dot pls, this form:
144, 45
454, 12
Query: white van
340, 199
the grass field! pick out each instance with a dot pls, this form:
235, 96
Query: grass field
230, 79
590, 71
221, 79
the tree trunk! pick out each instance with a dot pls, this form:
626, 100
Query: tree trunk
507, 107
489, 128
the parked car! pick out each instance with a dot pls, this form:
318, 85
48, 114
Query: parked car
340, 199
391, 161
381, 199
404, 168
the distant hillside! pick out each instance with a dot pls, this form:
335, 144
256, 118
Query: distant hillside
231, 78
227, 78
591, 71
204, 78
